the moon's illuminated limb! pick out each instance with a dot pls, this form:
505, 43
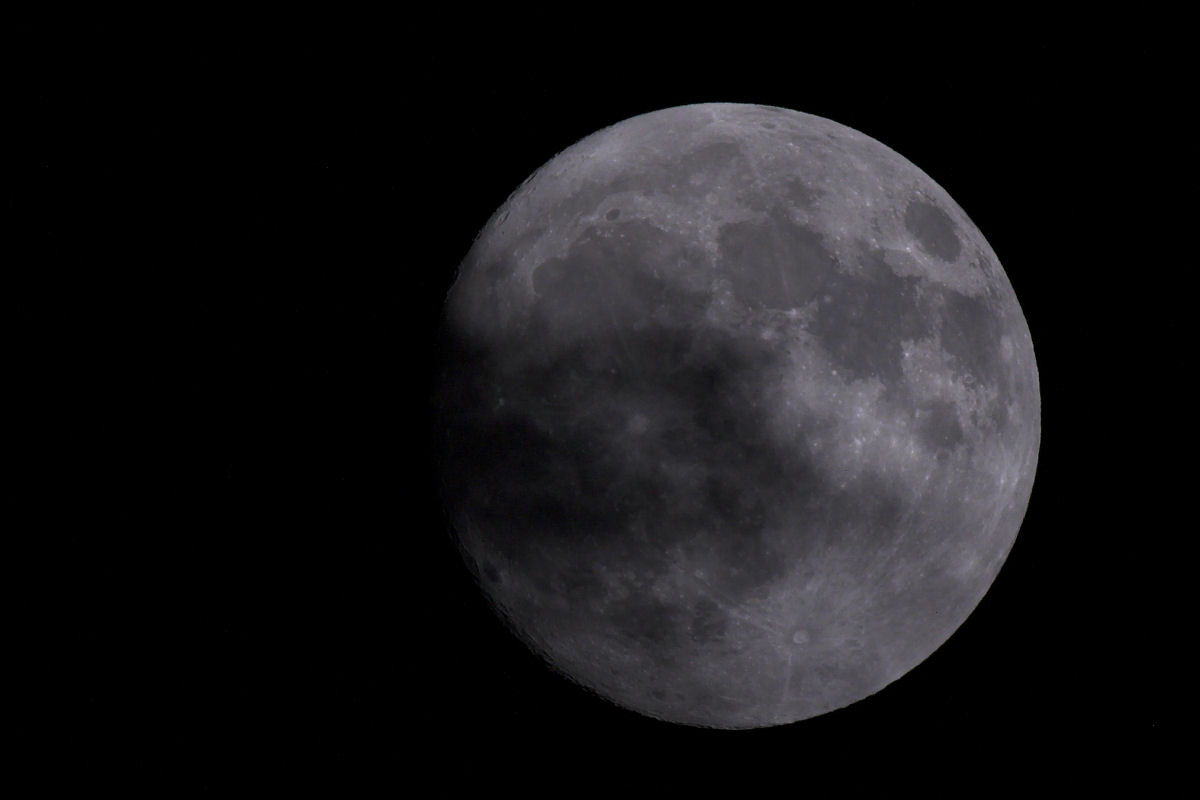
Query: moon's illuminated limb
739, 414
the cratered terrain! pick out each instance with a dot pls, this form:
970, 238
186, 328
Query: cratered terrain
736, 414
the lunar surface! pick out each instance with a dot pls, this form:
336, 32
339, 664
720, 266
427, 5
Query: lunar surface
737, 414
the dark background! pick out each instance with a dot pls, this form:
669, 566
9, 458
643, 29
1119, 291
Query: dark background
231, 250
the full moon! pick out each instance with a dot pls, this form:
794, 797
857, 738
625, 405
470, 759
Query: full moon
736, 414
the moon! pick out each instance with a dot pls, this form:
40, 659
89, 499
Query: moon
736, 414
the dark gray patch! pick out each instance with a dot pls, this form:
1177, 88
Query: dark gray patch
938, 427
709, 621
971, 333
496, 271
754, 200
699, 168
646, 620
769, 125
998, 416
732, 502
933, 229
541, 581
490, 573
613, 214
873, 507
800, 193
578, 582
774, 264
609, 279
867, 318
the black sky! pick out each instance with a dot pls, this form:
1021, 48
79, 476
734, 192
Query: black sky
231, 252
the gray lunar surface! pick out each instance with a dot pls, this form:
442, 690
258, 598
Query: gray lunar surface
737, 414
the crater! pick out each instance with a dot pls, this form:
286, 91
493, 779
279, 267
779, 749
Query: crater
933, 229
613, 214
